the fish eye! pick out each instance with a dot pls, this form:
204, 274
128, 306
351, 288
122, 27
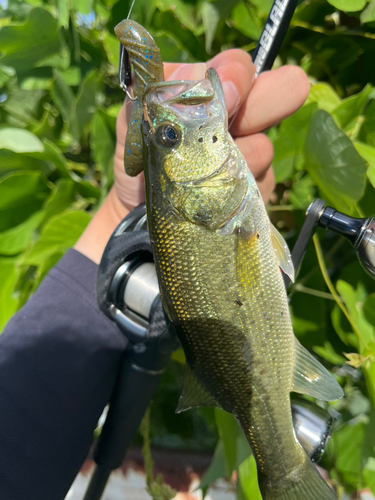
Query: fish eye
169, 135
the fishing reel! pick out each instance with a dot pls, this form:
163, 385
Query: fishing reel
128, 294
360, 233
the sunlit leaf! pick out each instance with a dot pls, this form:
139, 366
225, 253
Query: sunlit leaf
348, 5
369, 474
61, 198
228, 431
217, 468
211, 18
368, 15
288, 147
248, 479
8, 301
16, 239
325, 97
368, 153
85, 103
352, 107
103, 145
22, 106
344, 448
368, 127
59, 234
246, 21
63, 97
171, 49
83, 6
63, 12
183, 11
29, 44
19, 140
21, 194
334, 164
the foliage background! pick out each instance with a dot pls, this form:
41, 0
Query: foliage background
59, 99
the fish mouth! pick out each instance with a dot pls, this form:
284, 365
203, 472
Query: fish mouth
230, 171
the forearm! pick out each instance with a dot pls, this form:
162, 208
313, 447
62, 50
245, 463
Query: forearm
94, 239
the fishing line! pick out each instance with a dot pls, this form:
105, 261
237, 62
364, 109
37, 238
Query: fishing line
131, 8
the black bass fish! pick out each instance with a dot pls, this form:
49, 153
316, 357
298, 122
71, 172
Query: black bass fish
218, 261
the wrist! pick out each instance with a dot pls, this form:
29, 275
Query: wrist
93, 240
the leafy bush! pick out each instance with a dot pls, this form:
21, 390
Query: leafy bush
58, 104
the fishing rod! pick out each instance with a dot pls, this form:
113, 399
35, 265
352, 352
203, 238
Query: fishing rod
128, 294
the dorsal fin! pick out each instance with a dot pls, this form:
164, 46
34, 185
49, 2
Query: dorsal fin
282, 253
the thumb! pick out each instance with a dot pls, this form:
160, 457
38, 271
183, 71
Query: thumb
196, 71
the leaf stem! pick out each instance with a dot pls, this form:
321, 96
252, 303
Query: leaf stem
332, 289
311, 291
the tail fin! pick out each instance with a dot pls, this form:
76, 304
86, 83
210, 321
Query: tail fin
306, 484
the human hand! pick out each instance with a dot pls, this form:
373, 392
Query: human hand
253, 106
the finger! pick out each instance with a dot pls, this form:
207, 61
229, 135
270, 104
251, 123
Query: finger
274, 96
235, 69
236, 72
266, 185
258, 152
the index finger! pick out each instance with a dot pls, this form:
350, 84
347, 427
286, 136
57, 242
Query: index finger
274, 96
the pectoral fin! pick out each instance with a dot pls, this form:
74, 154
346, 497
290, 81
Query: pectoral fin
248, 260
311, 378
282, 252
193, 394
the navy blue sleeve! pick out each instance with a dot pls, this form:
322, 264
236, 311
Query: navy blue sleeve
59, 356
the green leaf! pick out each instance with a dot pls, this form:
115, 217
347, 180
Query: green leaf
103, 146
369, 474
210, 17
83, 6
368, 15
369, 309
368, 127
61, 198
63, 12
217, 468
16, 239
334, 164
249, 24
21, 194
63, 97
325, 97
344, 450
352, 107
22, 106
27, 45
228, 432
248, 479
183, 11
288, 146
8, 279
171, 49
364, 330
348, 5
86, 103
355, 308
58, 235
19, 140
302, 192
368, 153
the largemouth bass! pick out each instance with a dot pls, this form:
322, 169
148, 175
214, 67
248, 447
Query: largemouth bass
218, 261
